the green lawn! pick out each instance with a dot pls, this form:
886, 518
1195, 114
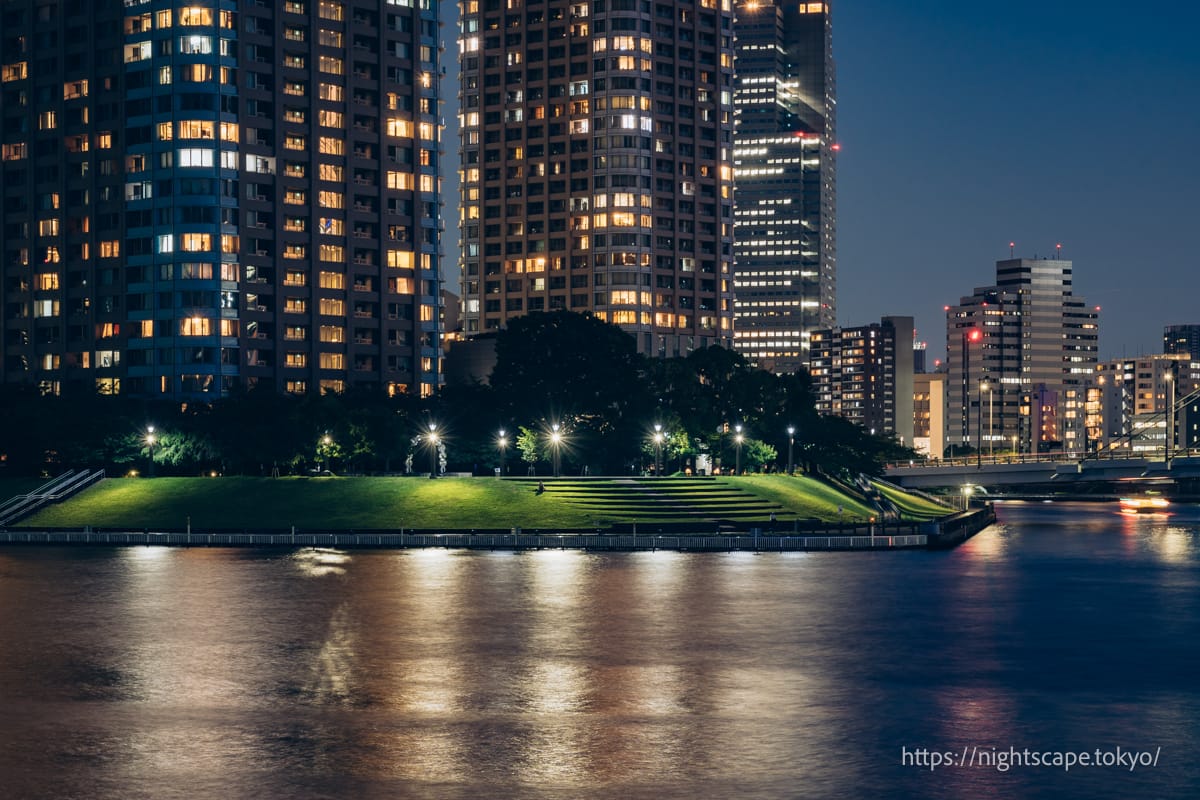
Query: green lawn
912, 505
461, 503
804, 496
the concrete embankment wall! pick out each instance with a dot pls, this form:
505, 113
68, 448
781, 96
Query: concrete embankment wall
955, 529
475, 541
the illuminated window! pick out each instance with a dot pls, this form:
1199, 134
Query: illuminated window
399, 127
332, 280
75, 89
332, 307
400, 259
400, 180
333, 333
196, 129
327, 199
331, 145
195, 242
195, 326
195, 15
331, 65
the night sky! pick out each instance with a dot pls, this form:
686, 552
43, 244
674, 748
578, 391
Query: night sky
967, 125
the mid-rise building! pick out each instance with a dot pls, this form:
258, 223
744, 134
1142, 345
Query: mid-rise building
785, 170
209, 193
1182, 340
929, 414
1020, 355
865, 374
1134, 395
596, 145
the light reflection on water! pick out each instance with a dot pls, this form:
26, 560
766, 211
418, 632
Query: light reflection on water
145, 672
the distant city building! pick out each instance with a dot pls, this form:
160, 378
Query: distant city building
1182, 339
1020, 356
1134, 395
919, 351
865, 374
221, 192
929, 413
785, 276
597, 172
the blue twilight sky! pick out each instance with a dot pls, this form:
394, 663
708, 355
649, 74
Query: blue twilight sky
965, 125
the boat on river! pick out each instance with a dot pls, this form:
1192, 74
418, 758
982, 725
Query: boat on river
1151, 503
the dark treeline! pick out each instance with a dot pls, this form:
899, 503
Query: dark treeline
558, 368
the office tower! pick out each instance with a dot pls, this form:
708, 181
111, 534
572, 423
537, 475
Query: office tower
1020, 355
596, 146
785, 275
1182, 340
865, 374
210, 193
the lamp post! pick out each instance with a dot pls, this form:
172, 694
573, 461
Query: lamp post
150, 440
323, 451
979, 429
985, 386
1169, 438
659, 437
502, 443
966, 494
737, 449
791, 441
968, 335
433, 448
555, 442
1015, 453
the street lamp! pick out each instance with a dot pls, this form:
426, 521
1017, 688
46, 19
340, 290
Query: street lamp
658, 443
323, 450
966, 494
433, 448
150, 440
737, 448
555, 441
791, 441
502, 442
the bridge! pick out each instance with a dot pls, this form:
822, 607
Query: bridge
1058, 473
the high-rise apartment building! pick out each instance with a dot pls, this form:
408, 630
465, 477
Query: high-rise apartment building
596, 145
865, 374
209, 193
785, 276
1020, 355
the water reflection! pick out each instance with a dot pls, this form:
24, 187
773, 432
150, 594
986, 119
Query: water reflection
320, 562
565, 674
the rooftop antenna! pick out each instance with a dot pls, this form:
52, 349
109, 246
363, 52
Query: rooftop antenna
1011, 246
1058, 251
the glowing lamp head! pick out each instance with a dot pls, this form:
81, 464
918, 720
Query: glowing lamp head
974, 335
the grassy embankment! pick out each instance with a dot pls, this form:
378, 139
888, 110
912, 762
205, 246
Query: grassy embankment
457, 503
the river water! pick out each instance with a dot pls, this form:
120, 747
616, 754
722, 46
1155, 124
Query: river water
175, 673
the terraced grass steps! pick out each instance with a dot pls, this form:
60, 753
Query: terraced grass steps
390, 503
707, 499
